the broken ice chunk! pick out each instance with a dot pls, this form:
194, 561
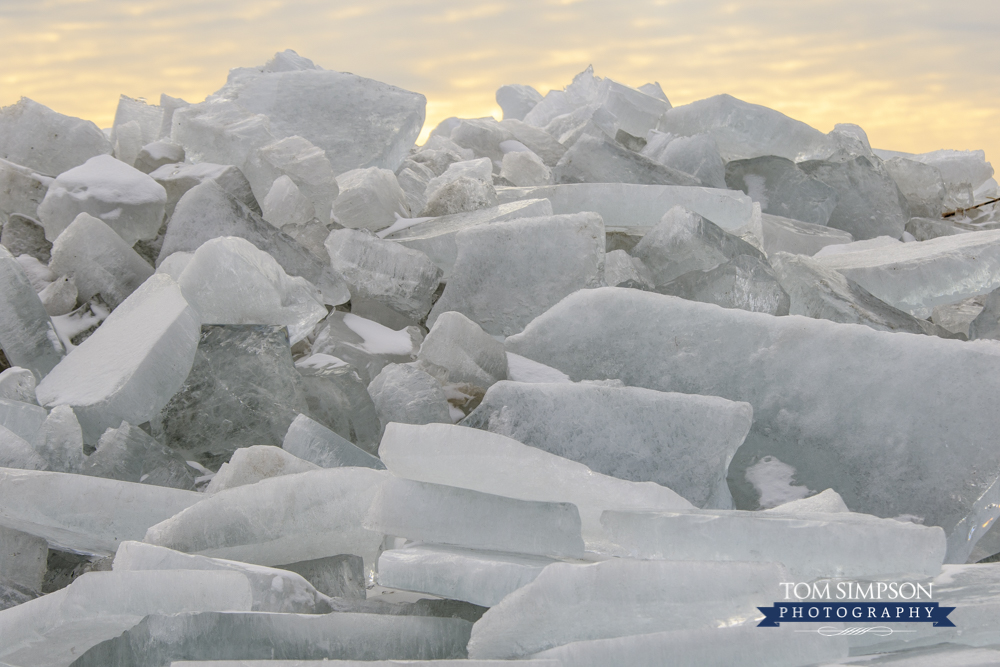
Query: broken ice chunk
98, 260
494, 464
27, 336
517, 100
482, 136
395, 276
782, 188
39, 275
826, 502
304, 164
599, 160
925, 229
797, 237
127, 200
249, 465
129, 454
465, 518
403, 393
281, 519
524, 168
313, 442
24, 419
481, 169
24, 236
59, 297
131, 366
37, 137
745, 282
285, 205
18, 384
507, 273
956, 167
536, 140
127, 142
697, 156
921, 186
365, 345
23, 190
157, 154
60, 441
177, 179
338, 397
148, 118
369, 199
681, 441
458, 351
461, 195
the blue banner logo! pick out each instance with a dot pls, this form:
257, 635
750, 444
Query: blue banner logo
856, 612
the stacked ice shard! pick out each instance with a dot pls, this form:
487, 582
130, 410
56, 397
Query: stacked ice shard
582, 386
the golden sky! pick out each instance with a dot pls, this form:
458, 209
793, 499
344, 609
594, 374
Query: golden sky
916, 74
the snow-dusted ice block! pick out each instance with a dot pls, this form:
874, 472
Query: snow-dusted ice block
813, 386
230, 281
39, 138
801, 238
623, 205
82, 513
131, 366
810, 545
313, 442
272, 589
56, 629
161, 640
98, 260
18, 384
620, 597
494, 464
479, 577
27, 335
249, 465
508, 273
280, 520
681, 441
916, 277
465, 518
435, 237
127, 200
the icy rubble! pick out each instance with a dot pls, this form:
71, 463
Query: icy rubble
427, 401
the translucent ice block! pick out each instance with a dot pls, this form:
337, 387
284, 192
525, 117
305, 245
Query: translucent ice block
27, 336
60, 441
782, 188
697, 155
794, 236
311, 441
22, 558
129, 454
406, 394
744, 282
517, 100
868, 202
457, 350
249, 465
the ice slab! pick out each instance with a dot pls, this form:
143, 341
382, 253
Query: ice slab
507, 273
230, 281
59, 297
744, 282
465, 518
435, 237
517, 100
456, 350
680, 441
249, 465
27, 335
958, 167
600, 160
811, 546
797, 391
495, 464
177, 179
697, 156
744, 130
797, 237
130, 367
783, 189
825, 502
479, 577
57, 628
621, 597
538, 141
129, 454
313, 442
869, 203
127, 200
39, 138
279, 520
23, 190
273, 589
400, 278
207, 211
406, 394
916, 277
22, 558
98, 260
285, 205
161, 640
364, 663
83, 513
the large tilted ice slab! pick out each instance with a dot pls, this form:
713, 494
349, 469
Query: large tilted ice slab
492, 463
620, 597
27, 335
464, 518
37, 137
59, 627
916, 277
131, 366
810, 545
828, 399
83, 513
681, 441
280, 520
479, 577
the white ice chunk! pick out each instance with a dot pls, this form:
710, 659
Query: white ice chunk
303, 163
369, 199
148, 117
18, 384
175, 264
24, 419
285, 205
601, 160
958, 167
249, 465
156, 154
59, 297
524, 169
522, 369
37, 137
826, 502
697, 155
517, 100
481, 169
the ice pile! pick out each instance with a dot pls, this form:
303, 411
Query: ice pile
582, 386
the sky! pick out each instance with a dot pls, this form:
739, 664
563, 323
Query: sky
917, 75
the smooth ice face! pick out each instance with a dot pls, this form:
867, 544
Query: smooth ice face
280, 520
479, 577
600, 160
507, 273
57, 628
311, 441
811, 546
744, 130
129, 368
697, 155
23, 190
129, 454
916, 277
23, 558
465, 518
98, 260
621, 597
744, 282
249, 465
456, 350
494, 464
27, 335
681, 441
127, 200
397, 277
230, 281
338, 397
797, 237
881, 390
620, 268
782, 188
39, 138
82, 513
868, 202
404, 393
369, 199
